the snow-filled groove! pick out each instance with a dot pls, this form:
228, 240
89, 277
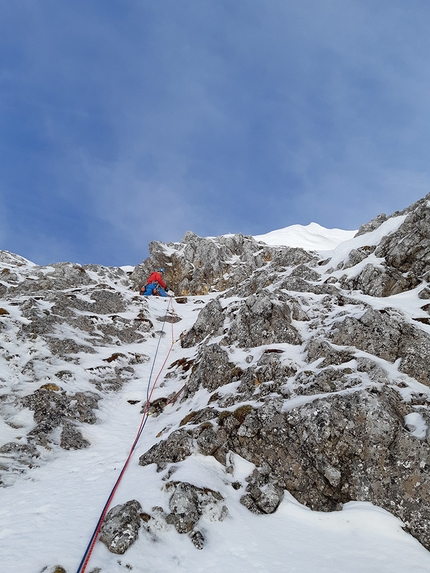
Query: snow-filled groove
149, 392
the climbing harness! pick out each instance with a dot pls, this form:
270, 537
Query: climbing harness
149, 391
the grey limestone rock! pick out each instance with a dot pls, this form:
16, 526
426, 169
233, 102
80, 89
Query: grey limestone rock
184, 507
13, 448
297, 373
385, 335
337, 449
375, 372
380, 281
318, 348
17, 457
58, 277
208, 440
298, 284
198, 265
209, 321
53, 407
261, 319
211, 370
71, 438
356, 256
198, 539
12, 259
264, 499
86, 315
324, 381
188, 503
105, 301
408, 249
69, 346
404, 255
372, 225
289, 257
176, 448
121, 526
305, 273
424, 294
270, 373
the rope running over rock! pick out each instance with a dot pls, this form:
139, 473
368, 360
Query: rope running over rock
149, 391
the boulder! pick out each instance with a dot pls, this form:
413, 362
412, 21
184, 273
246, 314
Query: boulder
384, 334
121, 526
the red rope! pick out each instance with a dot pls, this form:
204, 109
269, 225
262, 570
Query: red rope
90, 547
175, 397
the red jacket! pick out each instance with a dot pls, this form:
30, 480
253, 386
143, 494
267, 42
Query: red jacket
156, 277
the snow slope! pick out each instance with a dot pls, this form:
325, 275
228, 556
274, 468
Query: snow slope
311, 237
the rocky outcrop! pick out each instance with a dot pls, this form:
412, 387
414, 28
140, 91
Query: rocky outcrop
121, 526
211, 370
386, 335
175, 449
408, 249
262, 496
209, 322
372, 225
401, 259
349, 446
261, 319
52, 407
380, 281
188, 503
197, 265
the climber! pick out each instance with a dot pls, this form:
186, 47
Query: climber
155, 285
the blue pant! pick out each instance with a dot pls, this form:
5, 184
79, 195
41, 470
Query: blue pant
149, 290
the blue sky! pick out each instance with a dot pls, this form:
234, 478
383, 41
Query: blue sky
127, 121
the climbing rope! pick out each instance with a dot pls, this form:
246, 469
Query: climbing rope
176, 396
149, 391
